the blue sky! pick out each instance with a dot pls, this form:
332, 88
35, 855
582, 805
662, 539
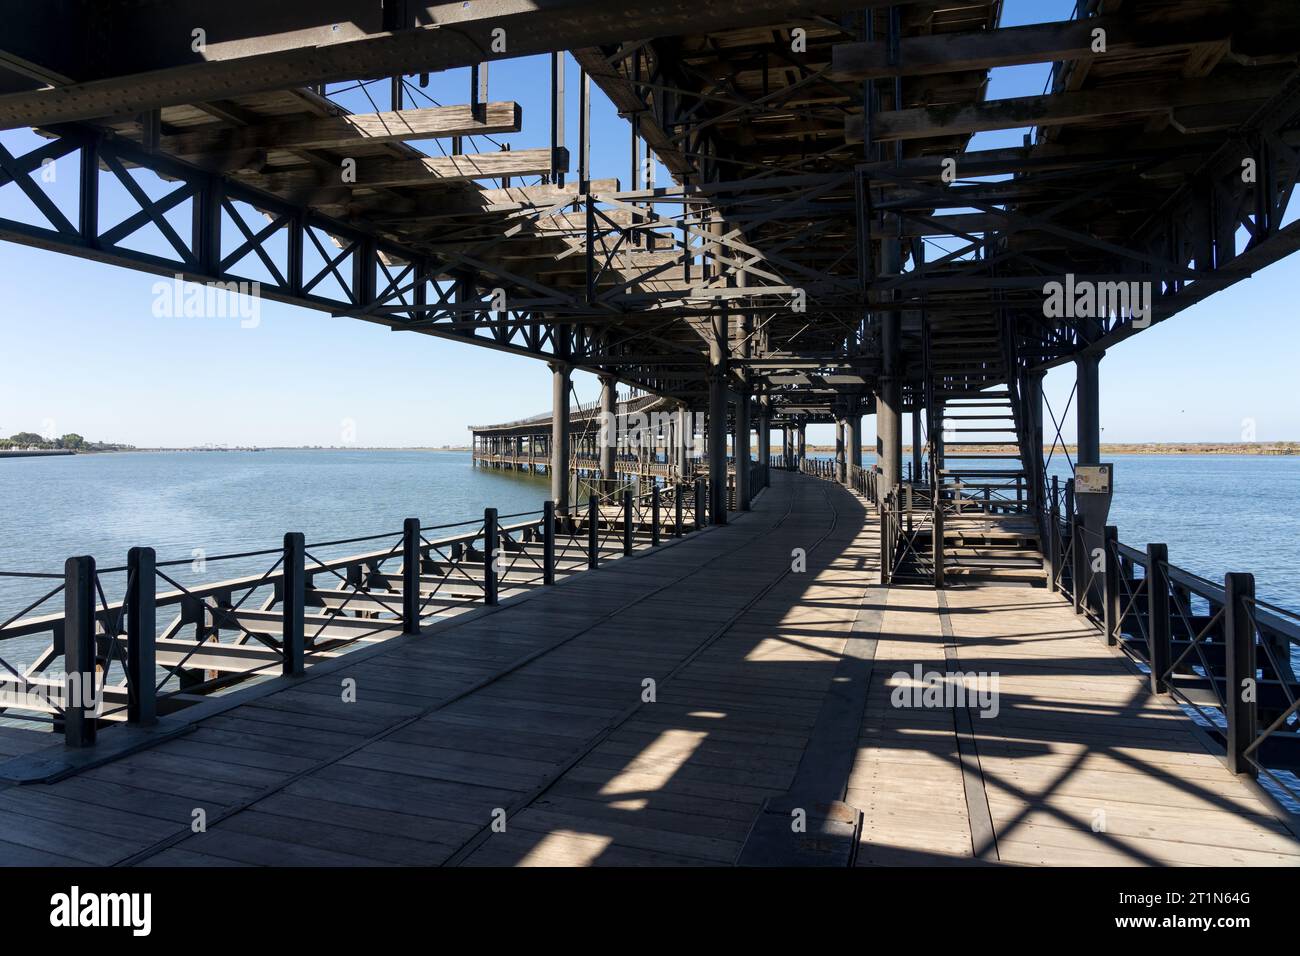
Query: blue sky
85, 353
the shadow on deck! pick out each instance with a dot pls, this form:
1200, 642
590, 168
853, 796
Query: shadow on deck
646, 713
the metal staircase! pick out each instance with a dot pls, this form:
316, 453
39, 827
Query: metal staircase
978, 455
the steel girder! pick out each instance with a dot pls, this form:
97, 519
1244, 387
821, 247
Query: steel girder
374, 279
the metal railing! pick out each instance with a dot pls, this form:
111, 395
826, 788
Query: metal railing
818, 467
106, 660
1227, 657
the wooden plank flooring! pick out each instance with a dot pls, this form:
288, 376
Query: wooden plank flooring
642, 714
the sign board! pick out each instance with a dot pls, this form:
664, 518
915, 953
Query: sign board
1092, 479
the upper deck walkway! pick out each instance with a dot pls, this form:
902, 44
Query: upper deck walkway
529, 733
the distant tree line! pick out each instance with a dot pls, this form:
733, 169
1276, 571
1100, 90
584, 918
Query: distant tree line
71, 442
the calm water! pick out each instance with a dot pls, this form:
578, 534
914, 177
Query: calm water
223, 502
1216, 513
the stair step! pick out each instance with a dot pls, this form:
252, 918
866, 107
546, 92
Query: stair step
1007, 574
981, 472
994, 546
1028, 562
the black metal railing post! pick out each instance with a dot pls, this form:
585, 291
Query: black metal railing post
1078, 566
699, 504
627, 521
1052, 553
654, 516
411, 576
1160, 649
1110, 585
593, 532
141, 637
1240, 690
937, 530
886, 552
490, 545
548, 542
80, 696
293, 602
678, 493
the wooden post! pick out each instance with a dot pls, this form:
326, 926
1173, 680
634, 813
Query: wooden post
293, 603
1159, 650
1240, 690
490, 556
80, 698
654, 516
141, 635
627, 521
548, 542
593, 532
411, 576
1110, 585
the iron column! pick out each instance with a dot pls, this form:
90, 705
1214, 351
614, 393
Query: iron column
839, 450
855, 441
685, 440
1086, 402
719, 346
742, 450
717, 436
1034, 429
889, 423
560, 372
608, 427
916, 443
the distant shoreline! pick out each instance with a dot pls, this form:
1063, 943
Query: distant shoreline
1272, 449
69, 453
317, 448
1269, 449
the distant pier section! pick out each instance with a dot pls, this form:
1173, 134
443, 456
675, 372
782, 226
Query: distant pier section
635, 438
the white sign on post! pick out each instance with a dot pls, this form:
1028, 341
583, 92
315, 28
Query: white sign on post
1092, 479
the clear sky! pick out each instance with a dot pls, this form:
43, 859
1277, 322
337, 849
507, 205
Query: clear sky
83, 351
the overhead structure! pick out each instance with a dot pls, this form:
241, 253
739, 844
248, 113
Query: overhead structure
833, 242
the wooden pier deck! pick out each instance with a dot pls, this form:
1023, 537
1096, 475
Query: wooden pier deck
772, 688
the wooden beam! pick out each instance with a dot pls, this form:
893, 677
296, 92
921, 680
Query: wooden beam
476, 202
1036, 43
412, 172
272, 46
1065, 108
339, 132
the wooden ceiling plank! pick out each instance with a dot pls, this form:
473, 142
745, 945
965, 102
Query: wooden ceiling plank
339, 132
